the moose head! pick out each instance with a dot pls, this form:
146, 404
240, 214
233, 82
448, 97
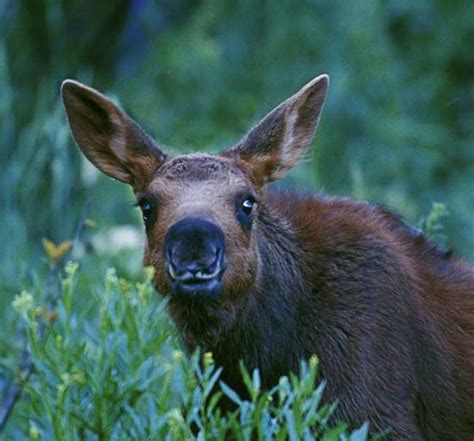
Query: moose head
201, 211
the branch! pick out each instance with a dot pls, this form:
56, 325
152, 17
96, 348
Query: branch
26, 368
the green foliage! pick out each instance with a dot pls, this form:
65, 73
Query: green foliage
433, 223
397, 129
120, 374
41, 43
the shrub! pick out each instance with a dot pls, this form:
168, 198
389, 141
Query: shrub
114, 370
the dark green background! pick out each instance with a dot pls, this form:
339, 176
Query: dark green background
397, 127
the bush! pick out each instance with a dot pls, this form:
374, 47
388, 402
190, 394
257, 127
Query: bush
397, 127
115, 371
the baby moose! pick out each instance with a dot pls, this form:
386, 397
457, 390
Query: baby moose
271, 278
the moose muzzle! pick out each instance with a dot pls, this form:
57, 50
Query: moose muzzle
194, 249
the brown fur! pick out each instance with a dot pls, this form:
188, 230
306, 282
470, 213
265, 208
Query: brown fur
389, 315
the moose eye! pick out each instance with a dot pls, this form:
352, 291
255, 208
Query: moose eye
247, 206
147, 210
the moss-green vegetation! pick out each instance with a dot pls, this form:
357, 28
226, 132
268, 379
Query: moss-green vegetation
397, 129
114, 371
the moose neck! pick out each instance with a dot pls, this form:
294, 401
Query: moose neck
268, 323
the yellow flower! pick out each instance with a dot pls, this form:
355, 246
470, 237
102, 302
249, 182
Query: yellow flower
23, 302
91, 223
177, 355
65, 377
34, 433
78, 378
176, 416
38, 310
111, 276
149, 273
71, 268
56, 252
125, 286
208, 359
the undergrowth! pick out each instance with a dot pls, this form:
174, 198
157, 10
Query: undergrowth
114, 370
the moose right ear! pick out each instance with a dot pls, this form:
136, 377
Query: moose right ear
108, 137
282, 138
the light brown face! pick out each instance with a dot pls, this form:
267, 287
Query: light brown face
199, 214
200, 211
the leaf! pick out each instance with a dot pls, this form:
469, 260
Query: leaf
246, 377
212, 381
361, 434
336, 433
256, 382
291, 426
91, 223
230, 393
56, 252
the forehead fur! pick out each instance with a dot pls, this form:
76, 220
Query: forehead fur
198, 167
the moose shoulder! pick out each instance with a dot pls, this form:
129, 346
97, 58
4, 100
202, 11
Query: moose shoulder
271, 278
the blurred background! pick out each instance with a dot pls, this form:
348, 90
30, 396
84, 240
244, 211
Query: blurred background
397, 127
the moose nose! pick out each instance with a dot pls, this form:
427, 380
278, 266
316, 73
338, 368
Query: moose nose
194, 250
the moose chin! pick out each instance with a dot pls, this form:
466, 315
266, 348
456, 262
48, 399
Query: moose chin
271, 278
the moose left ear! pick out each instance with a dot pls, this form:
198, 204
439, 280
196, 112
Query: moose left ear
108, 137
282, 137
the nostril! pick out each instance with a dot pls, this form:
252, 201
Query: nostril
194, 249
215, 261
193, 267
208, 270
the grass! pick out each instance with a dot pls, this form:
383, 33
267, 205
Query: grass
114, 370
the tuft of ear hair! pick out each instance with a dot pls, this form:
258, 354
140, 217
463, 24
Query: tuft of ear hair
108, 137
283, 136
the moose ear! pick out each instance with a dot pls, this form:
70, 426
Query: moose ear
109, 138
282, 137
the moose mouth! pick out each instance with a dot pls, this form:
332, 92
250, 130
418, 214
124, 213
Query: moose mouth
194, 248
197, 285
